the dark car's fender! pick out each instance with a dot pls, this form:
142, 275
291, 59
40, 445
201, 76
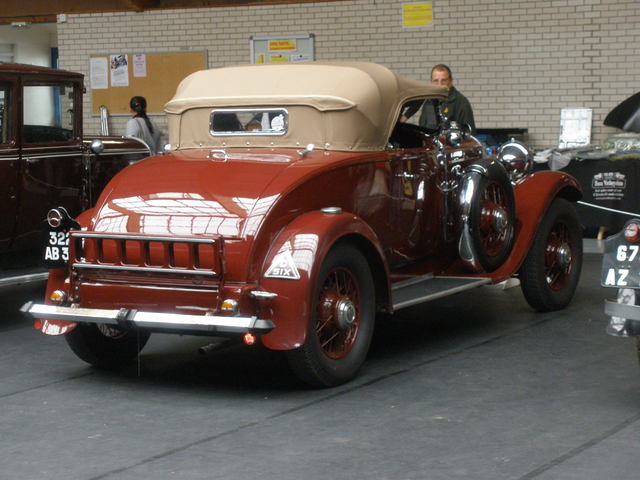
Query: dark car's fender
533, 196
292, 264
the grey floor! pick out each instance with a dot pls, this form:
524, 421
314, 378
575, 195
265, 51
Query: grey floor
476, 386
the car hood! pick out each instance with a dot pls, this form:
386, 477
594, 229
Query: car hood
198, 192
626, 115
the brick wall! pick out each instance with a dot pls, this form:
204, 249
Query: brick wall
518, 61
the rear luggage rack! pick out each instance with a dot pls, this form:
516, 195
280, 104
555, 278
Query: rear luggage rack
195, 258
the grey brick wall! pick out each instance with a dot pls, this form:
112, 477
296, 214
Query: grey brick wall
518, 61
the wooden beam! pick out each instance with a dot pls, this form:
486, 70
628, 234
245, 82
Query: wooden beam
46, 10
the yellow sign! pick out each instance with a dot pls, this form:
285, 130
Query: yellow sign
282, 45
417, 14
278, 58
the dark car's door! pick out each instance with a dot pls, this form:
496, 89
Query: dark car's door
51, 154
9, 160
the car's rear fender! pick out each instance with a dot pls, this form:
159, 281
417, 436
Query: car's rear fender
292, 264
533, 196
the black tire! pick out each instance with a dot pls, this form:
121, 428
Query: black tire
106, 347
550, 272
492, 219
337, 345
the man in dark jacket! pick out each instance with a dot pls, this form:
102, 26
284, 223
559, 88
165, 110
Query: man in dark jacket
456, 108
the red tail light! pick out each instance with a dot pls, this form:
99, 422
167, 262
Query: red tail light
632, 232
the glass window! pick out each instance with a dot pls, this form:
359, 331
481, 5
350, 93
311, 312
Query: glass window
261, 121
48, 113
423, 113
5, 118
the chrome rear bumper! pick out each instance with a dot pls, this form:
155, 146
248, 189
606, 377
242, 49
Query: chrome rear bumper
174, 322
625, 319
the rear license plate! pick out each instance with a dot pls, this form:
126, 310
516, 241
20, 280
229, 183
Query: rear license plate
55, 253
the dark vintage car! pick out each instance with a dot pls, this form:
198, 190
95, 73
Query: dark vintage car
44, 160
293, 208
621, 270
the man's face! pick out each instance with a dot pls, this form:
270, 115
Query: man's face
441, 77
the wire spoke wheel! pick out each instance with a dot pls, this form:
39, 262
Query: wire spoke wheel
341, 321
494, 221
338, 313
491, 218
558, 256
550, 272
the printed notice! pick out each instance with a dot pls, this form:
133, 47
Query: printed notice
99, 73
119, 71
139, 65
288, 44
417, 14
609, 186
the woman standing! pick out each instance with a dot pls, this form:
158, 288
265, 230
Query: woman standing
141, 126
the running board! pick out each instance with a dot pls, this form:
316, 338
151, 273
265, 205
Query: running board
423, 289
22, 279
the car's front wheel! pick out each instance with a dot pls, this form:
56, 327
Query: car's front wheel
550, 272
341, 323
104, 346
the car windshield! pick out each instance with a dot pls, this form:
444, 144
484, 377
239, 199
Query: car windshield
262, 121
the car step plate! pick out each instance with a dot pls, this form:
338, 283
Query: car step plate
424, 289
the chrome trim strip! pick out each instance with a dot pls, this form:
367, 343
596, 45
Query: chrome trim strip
124, 236
27, 155
133, 268
166, 321
9, 159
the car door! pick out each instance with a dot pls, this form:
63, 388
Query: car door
51, 160
9, 159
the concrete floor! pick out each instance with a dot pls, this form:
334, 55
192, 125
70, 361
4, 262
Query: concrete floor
476, 386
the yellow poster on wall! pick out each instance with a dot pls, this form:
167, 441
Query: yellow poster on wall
417, 14
278, 58
287, 44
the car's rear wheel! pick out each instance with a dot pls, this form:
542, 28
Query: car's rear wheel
492, 219
550, 272
104, 346
341, 323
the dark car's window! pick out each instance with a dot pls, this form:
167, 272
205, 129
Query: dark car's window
5, 118
48, 113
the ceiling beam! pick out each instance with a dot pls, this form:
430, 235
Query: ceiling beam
46, 10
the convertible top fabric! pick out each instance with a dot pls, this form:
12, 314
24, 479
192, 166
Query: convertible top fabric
354, 105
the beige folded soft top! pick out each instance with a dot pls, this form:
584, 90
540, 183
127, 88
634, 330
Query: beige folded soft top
336, 106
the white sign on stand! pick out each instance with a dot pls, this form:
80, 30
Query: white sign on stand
575, 127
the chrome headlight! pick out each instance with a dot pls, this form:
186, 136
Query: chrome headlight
516, 158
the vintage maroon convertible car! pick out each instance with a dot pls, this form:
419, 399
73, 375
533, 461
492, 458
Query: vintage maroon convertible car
293, 208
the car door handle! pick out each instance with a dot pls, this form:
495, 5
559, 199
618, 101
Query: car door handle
408, 176
31, 160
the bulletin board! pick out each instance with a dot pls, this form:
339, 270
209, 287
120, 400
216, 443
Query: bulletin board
282, 48
154, 76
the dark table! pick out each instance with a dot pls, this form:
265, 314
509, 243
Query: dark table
606, 183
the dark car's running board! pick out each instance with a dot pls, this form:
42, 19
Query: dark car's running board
426, 288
